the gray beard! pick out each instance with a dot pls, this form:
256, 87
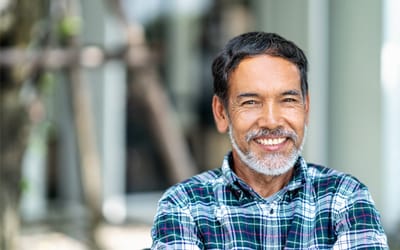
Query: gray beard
272, 164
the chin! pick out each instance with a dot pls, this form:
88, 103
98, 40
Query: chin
271, 167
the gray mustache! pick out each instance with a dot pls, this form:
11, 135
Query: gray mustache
278, 132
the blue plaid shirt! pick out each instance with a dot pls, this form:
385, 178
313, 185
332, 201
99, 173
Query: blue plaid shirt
320, 208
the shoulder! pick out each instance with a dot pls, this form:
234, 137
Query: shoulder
345, 202
327, 180
197, 188
339, 192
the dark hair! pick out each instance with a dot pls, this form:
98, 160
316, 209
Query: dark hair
252, 44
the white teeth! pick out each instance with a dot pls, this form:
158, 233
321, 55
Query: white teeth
270, 142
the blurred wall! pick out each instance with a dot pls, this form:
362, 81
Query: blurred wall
355, 93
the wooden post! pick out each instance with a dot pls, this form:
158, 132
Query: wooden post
90, 165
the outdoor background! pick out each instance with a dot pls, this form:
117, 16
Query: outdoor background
104, 104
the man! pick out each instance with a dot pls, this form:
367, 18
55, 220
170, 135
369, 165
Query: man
265, 196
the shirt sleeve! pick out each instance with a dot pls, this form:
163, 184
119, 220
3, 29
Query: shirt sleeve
174, 228
358, 223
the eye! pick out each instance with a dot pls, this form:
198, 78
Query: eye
289, 100
249, 102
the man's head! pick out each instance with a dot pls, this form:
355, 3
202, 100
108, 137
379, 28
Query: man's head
261, 98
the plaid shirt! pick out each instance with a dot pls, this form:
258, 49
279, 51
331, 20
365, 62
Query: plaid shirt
320, 208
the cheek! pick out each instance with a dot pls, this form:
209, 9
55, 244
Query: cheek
296, 114
297, 122
244, 119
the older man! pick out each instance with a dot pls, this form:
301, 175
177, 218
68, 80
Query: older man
265, 195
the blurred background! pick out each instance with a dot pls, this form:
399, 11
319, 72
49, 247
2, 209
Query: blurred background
105, 104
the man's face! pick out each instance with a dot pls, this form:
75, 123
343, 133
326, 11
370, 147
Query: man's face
266, 114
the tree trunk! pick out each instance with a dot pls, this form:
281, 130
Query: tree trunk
13, 135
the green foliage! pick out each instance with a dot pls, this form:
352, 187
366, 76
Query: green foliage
46, 82
24, 185
70, 26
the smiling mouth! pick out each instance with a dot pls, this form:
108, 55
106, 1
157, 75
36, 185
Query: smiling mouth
271, 141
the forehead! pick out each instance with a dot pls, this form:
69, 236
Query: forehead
265, 72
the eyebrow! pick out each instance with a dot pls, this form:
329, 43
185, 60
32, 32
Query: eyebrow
292, 92
248, 94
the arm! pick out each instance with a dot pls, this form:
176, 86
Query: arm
358, 223
174, 228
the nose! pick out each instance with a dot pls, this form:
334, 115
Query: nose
270, 116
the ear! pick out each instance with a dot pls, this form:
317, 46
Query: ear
307, 107
220, 115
